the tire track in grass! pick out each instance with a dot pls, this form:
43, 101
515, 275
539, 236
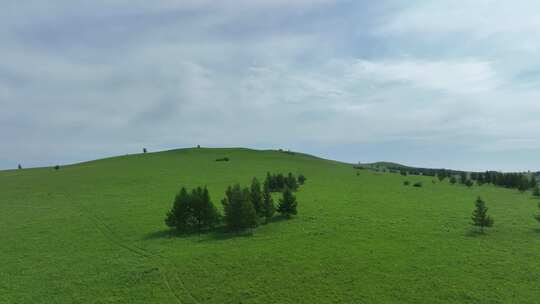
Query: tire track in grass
158, 259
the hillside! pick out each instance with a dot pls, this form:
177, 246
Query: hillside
94, 233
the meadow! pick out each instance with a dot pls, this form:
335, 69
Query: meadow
94, 233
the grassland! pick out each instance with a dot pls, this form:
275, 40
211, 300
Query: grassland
94, 233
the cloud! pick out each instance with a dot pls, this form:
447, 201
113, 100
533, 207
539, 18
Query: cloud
89, 79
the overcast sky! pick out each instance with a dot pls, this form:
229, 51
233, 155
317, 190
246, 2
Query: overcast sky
431, 83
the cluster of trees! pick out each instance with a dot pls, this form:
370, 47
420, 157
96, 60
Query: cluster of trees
518, 181
279, 182
243, 208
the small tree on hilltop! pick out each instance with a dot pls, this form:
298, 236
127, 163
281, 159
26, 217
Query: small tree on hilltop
20, 167
255, 195
268, 209
480, 217
287, 204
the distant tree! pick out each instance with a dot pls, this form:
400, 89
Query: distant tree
469, 183
57, 167
481, 179
480, 217
301, 179
418, 184
463, 178
268, 209
287, 204
537, 217
403, 172
20, 167
239, 213
144, 150
441, 175
536, 191
255, 195
198, 146
406, 183
453, 180
533, 182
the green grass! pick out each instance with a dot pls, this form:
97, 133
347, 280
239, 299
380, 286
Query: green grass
94, 233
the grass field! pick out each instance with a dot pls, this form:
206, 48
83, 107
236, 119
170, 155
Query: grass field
94, 233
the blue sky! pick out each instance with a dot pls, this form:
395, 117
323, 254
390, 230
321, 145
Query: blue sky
429, 83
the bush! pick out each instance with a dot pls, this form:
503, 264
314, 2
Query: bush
469, 183
222, 159
406, 183
418, 184
57, 167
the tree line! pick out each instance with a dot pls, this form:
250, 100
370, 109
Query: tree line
243, 208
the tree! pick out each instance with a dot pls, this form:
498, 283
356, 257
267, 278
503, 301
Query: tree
441, 175
255, 195
179, 216
301, 179
239, 211
533, 181
453, 180
287, 204
204, 213
20, 167
469, 183
57, 167
193, 210
290, 182
268, 209
480, 217
536, 191
463, 178
144, 150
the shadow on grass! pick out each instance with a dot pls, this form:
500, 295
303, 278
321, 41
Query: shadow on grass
217, 233
474, 232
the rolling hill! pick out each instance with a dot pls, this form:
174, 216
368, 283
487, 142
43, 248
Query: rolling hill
94, 233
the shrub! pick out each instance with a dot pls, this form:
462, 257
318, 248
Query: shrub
418, 184
222, 159
57, 167
406, 183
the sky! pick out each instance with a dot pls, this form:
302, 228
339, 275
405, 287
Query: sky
453, 84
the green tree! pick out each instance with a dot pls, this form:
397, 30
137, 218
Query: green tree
480, 217
290, 182
463, 178
180, 216
239, 211
536, 191
301, 179
255, 195
287, 204
268, 209
204, 213
469, 183
453, 180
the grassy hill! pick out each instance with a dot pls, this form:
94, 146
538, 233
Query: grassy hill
94, 233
